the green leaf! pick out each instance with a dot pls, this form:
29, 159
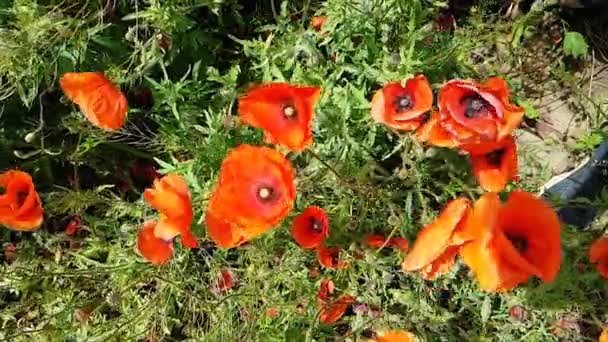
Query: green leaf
531, 112
486, 309
575, 44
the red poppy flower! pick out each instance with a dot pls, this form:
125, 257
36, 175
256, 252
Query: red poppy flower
598, 253
516, 240
403, 107
330, 310
104, 105
474, 116
73, 226
377, 241
225, 281
20, 207
155, 250
285, 112
394, 336
437, 244
311, 227
272, 312
317, 22
255, 191
329, 257
495, 169
171, 197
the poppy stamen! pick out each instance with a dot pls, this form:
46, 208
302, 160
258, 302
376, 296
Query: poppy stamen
265, 193
404, 103
315, 225
519, 242
289, 111
494, 158
475, 106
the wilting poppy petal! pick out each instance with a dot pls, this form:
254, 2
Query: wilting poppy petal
155, 250
435, 238
493, 170
441, 265
517, 240
20, 207
104, 105
598, 253
171, 197
433, 133
326, 288
285, 112
255, 191
331, 312
402, 107
73, 226
317, 22
225, 281
375, 240
330, 257
400, 243
311, 227
394, 336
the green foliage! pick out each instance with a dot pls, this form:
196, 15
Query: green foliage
196, 57
575, 44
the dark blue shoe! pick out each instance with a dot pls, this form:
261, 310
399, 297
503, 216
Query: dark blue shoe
583, 184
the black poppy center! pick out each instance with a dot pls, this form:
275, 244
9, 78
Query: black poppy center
289, 111
21, 197
520, 242
2, 190
266, 193
494, 158
475, 106
404, 103
316, 225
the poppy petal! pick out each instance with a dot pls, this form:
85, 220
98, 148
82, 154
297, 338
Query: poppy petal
20, 206
317, 22
375, 240
155, 250
170, 196
525, 216
394, 336
434, 238
433, 133
311, 227
284, 111
604, 335
332, 312
598, 251
442, 265
400, 243
493, 170
456, 98
329, 257
477, 254
221, 231
104, 105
